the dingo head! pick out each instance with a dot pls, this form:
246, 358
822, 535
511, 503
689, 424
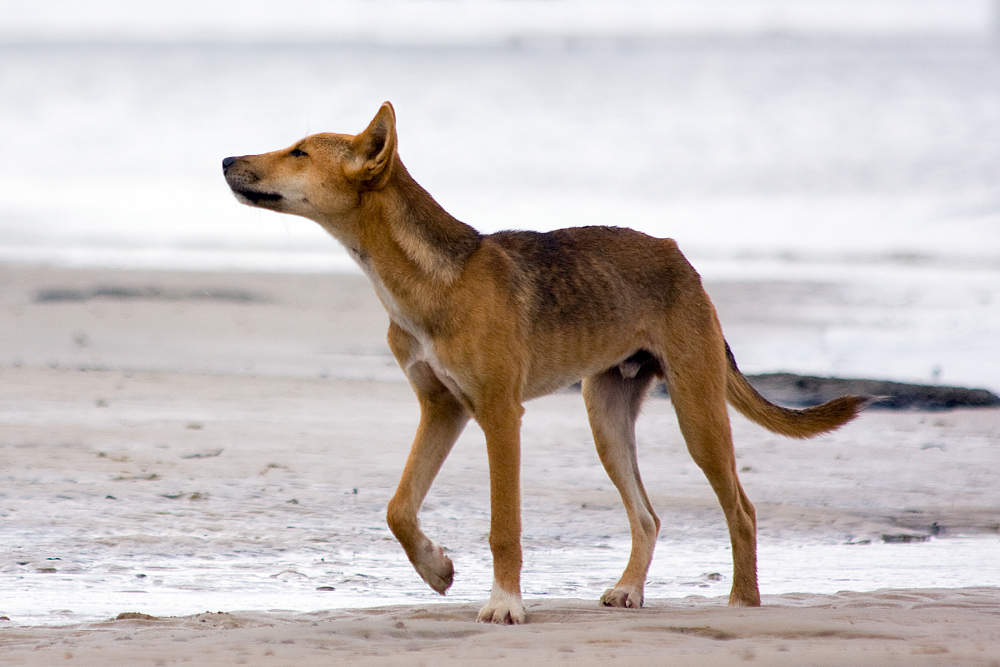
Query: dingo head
320, 177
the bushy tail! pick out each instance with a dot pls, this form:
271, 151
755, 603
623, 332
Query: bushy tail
794, 423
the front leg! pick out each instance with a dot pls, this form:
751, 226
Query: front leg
501, 423
442, 419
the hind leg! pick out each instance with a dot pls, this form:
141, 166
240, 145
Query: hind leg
612, 405
697, 382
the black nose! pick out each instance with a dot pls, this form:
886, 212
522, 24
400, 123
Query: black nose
227, 162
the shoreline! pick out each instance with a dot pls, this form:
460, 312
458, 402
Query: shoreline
286, 295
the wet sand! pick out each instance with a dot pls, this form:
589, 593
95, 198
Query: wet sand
238, 421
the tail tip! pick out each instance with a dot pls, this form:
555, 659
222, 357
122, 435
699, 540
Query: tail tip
856, 404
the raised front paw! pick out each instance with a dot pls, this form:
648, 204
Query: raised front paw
503, 609
435, 568
622, 596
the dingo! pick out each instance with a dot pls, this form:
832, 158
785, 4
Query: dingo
482, 323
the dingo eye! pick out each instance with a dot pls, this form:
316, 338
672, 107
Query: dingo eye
295, 152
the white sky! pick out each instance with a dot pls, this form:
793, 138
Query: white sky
457, 21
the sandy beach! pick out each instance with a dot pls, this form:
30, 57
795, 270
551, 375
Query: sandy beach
174, 443
891, 627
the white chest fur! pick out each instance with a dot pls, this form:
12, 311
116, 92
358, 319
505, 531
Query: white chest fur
423, 348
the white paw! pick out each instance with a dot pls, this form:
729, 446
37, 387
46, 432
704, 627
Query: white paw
622, 596
503, 608
434, 567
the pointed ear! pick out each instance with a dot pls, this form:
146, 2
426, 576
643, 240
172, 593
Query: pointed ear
374, 150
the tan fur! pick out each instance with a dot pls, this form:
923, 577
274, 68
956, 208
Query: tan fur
480, 324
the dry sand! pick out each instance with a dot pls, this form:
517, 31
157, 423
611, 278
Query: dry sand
913, 627
141, 408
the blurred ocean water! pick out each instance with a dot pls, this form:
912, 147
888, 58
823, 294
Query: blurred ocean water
865, 156
732, 145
